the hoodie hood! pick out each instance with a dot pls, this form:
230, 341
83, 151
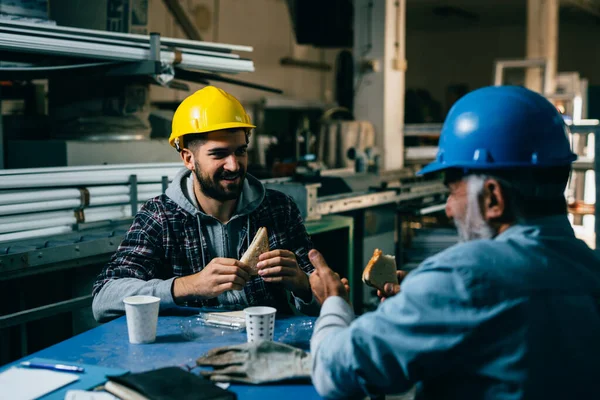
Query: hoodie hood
219, 239
181, 191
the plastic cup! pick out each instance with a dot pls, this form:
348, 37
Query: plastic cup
142, 317
260, 323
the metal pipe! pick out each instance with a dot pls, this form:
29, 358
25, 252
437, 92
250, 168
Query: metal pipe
148, 191
37, 224
107, 213
9, 219
116, 190
121, 199
36, 233
140, 172
39, 206
83, 179
46, 220
20, 197
19, 171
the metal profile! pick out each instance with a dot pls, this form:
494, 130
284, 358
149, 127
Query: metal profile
93, 39
180, 43
343, 203
73, 48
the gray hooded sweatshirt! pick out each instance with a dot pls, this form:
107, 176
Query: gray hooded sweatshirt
222, 240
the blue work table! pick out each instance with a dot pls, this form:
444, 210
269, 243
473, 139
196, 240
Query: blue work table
181, 339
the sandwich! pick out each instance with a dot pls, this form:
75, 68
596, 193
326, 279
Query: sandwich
380, 270
259, 245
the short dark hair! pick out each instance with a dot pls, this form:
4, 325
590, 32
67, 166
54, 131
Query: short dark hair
195, 140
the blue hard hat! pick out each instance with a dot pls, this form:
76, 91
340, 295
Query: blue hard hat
500, 127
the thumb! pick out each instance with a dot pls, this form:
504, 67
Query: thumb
317, 260
391, 289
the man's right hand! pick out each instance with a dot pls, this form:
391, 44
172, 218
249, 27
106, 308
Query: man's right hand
220, 275
392, 289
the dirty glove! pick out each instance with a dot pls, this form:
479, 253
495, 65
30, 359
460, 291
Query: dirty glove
256, 362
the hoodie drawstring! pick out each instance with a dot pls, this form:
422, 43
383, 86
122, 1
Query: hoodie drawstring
199, 220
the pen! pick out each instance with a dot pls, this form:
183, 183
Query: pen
54, 367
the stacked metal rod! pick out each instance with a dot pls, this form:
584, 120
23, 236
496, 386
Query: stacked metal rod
46, 201
17, 36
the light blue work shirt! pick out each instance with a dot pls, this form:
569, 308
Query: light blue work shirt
516, 317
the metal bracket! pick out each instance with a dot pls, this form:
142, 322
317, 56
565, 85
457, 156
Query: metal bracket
133, 194
164, 183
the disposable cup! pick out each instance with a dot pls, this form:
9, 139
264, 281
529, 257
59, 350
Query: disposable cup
260, 323
142, 317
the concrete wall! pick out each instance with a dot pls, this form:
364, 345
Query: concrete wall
263, 24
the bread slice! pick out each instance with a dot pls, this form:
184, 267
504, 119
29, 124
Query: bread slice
259, 245
380, 270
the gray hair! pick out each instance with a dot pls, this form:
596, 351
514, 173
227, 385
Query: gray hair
524, 196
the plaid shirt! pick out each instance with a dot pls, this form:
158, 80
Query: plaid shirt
164, 242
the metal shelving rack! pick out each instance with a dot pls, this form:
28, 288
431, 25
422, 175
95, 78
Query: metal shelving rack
580, 134
152, 67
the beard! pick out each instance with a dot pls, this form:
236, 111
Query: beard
472, 225
216, 186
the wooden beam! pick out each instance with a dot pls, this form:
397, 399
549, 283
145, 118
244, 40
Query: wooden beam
189, 28
542, 42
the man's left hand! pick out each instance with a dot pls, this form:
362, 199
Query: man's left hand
280, 266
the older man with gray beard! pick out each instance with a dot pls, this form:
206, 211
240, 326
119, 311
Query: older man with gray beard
512, 311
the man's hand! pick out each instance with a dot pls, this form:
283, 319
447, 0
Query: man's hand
280, 266
324, 282
391, 289
220, 275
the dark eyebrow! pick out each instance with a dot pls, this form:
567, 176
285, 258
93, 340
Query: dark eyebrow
218, 150
225, 149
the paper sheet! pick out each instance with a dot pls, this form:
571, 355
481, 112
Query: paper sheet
85, 395
29, 383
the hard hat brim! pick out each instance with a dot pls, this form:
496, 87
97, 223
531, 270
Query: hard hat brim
438, 166
213, 128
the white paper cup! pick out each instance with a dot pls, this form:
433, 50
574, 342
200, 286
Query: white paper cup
260, 323
142, 318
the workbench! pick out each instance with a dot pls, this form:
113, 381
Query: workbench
86, 251
180, 341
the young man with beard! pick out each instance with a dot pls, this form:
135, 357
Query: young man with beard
512, 312
185, 246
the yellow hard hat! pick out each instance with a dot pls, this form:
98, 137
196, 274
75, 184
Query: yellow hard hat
209, 109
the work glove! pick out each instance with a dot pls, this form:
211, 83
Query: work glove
256, 362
